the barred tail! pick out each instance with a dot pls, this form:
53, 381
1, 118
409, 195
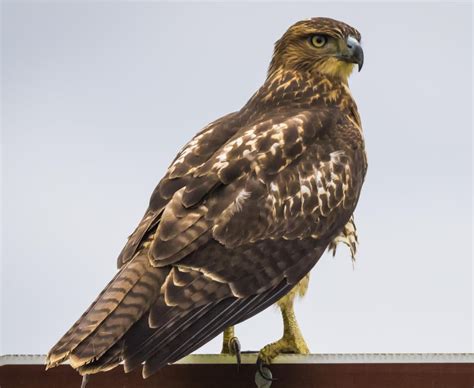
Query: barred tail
122, 303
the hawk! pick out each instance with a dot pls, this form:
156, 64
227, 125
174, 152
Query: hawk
242, 215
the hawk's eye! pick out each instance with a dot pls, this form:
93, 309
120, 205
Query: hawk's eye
318, 40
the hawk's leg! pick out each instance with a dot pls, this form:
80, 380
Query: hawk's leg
231, 344
292, 340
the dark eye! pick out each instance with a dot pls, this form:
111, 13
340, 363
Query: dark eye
318, 40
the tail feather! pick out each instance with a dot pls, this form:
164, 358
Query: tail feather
127, 297
59, 351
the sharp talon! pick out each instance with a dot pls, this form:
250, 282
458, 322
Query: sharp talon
235, 345
261, 370
85, 380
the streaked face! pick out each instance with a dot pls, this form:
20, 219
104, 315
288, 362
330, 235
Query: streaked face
320, 45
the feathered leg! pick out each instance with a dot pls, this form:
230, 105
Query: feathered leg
348, 236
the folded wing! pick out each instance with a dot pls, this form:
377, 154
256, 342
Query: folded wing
230, 229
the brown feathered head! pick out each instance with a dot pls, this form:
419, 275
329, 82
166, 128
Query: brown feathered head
320, 45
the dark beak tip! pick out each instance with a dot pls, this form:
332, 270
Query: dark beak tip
360, 57
356, 53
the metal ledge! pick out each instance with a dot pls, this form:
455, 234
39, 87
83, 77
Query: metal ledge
251, 358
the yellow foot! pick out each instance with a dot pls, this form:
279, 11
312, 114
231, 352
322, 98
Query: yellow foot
288, 344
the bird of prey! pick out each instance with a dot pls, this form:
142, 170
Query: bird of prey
241, 216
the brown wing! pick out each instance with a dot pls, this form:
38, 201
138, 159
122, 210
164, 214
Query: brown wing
235, 231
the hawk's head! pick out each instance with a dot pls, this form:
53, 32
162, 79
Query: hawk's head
320, 45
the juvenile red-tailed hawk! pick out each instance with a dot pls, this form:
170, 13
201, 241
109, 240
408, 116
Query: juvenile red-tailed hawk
243, 213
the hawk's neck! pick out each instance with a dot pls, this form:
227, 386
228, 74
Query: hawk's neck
290, 89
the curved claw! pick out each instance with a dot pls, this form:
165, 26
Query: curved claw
263, 371
235, 345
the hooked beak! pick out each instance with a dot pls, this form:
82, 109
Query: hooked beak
353, 52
